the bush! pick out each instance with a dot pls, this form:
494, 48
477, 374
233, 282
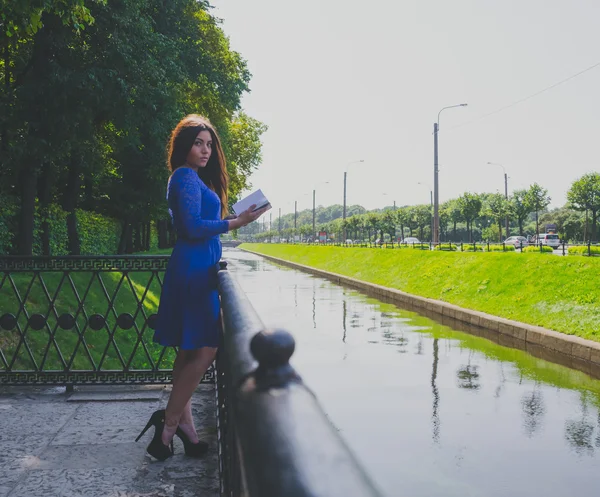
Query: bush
8, 212
583, 250
545, 249
472, 248
422, 246
57, 227
99, 235
501, 248
447, 247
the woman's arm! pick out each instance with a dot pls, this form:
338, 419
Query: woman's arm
189, 200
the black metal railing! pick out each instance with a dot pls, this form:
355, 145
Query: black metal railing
82, 320
274, 438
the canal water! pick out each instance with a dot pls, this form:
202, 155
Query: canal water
428, 410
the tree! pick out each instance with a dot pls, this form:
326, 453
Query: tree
422, 217
520, 207
452, 209
537, 199
243, 150
403, 216
584, 194
117, 89
470, 207
497, 207
388, 223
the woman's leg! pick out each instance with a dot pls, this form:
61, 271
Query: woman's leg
191, 366
186, 423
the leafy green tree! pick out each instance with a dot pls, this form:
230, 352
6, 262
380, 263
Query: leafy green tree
243, 150
537, 199
584, 195
497, 207
388, 223
421, 217
372, 224
117, 88
520, 207
470, 207
403, 216
454, 213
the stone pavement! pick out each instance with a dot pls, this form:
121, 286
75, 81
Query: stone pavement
54, 443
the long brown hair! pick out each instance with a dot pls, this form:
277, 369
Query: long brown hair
214, 174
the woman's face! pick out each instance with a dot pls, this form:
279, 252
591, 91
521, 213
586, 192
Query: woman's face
201, 149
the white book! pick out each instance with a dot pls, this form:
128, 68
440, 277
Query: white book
257, 197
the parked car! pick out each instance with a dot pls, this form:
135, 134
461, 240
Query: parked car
550, 239
517, 241
410, 240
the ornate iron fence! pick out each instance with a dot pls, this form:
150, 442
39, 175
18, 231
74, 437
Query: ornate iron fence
82, 320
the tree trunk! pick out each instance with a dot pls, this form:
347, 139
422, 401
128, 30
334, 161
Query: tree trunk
28, 184
454, 232
44, 191
148, 236
4, 132
500, 228
123, 237
88, 192
137, 242
161, 226
537, 224
520, 227
594, 219
70, 200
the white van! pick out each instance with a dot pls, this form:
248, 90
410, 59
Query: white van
550, 239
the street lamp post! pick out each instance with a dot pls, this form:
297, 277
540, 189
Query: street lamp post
314, 212
505, 193
436, 195
431, 204
345, 175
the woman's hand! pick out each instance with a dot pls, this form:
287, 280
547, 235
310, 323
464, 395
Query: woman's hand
246, 217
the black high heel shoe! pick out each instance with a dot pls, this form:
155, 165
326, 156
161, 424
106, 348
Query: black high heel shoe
191, 449
156, 448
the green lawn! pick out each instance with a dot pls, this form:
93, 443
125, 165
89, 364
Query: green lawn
560, 293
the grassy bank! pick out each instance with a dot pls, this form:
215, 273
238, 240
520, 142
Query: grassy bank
560, 293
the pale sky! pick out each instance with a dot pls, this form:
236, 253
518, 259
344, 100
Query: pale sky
341, 80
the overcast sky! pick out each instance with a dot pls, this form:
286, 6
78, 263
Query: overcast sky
341, 80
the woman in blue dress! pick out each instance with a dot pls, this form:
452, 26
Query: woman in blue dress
188, 313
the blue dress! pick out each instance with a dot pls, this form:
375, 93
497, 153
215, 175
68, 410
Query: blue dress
188, 313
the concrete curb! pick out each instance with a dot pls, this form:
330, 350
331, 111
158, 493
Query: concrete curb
568, 345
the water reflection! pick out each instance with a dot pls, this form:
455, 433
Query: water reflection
468, 377
314, 304
533, 410
514, 424
435, 417
583, 434
344, 304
